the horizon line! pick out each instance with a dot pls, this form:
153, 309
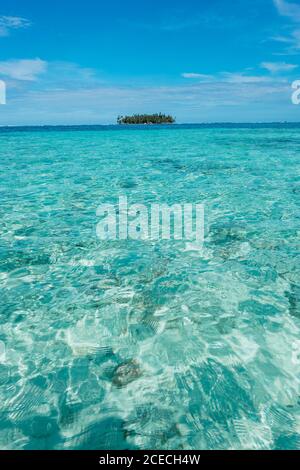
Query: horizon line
206, 123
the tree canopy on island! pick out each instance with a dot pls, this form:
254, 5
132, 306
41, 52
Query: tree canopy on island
157, 118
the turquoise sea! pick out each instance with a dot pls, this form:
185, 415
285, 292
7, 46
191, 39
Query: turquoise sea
140, 345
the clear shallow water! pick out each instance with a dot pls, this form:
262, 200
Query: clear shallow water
137, 345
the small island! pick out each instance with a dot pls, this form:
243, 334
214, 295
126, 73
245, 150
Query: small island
157, 118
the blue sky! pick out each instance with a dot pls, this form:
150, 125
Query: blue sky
203, 61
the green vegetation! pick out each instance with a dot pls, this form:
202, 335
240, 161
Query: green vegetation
146, 119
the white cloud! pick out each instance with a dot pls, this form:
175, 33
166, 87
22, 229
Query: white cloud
26, 69
224, 99
241, 78
295, 39
12, 22
275, 67
196, 75
228, 77
70, 94
290, 10
292, 42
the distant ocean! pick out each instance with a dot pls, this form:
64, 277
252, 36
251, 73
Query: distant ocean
104, 127
137, 344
